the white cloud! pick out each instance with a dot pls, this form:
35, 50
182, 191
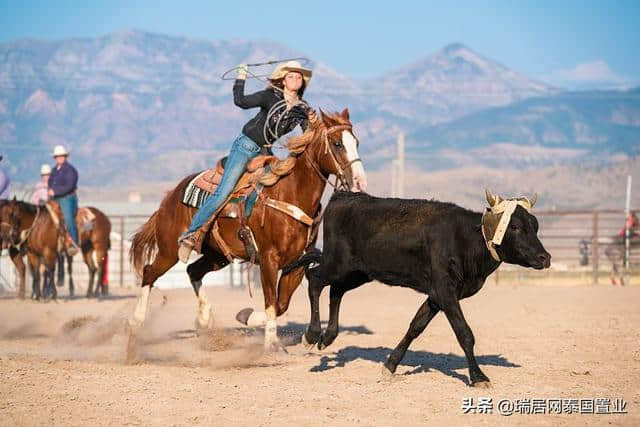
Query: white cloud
590, 75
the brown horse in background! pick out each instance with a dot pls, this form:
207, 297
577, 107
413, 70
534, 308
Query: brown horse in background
94, 238
32, 229
18, 228
15, 253
327, 147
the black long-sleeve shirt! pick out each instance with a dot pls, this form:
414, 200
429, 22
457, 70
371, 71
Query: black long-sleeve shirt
265, 99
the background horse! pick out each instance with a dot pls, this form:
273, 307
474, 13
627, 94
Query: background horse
32, 228
94, 239
16, 253
327, 147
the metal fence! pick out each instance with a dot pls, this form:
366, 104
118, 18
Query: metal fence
577, 240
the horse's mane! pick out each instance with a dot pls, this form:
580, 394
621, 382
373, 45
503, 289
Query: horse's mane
27, 206
296, 146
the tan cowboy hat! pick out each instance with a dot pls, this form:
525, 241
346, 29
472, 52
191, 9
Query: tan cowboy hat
282, 70
59, 150
45, 170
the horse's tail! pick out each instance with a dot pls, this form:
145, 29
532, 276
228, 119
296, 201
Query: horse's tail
313, 256
143, 244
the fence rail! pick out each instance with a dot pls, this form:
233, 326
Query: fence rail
578, 241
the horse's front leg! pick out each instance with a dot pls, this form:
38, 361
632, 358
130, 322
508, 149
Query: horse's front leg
269, 275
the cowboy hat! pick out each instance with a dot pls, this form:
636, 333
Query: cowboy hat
59, 150
282, 70
45, 170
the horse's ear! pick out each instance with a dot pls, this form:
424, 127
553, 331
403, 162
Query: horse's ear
345, 113
14, 198
325, 118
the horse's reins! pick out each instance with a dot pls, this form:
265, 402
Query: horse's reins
340, 168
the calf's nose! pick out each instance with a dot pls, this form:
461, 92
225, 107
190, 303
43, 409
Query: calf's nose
545, 259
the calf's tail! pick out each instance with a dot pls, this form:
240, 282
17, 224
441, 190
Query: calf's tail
313, 256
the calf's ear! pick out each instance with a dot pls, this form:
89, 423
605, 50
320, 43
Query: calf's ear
534, 199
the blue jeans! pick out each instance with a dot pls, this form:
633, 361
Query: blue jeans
69, 207
243, 150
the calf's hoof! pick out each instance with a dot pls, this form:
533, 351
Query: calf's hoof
310, 338
326, 340
306, 344
386, 373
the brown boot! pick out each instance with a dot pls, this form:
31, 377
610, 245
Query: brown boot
71, 246
187, 243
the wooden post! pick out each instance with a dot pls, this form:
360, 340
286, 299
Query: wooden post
596, 248
121, 251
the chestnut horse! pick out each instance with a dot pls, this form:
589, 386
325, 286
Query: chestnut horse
15, 253
94, 239
21, 233
31, 228
327, 147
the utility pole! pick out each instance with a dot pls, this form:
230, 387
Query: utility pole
397, 169
627, 212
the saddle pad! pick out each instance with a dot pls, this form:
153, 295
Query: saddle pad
195, 196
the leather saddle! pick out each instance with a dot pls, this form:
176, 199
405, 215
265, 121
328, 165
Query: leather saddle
210, 179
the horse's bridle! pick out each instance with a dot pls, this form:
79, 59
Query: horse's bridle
25, 233
340, 168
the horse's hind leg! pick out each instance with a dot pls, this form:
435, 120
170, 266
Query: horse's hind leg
60, 262
101, 256
50, 259
87, 254
210, 261
34, 264
150, 274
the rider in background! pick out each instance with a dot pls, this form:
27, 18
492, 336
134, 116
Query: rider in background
283, 98
62, 189
4, 184
41, 191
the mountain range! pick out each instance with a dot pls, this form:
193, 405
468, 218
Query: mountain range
137, 106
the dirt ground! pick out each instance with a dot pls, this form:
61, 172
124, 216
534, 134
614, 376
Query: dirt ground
63, 363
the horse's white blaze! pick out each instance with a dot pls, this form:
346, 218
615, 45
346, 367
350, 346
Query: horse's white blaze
357, 169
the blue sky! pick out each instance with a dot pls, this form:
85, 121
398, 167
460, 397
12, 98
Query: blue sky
580, 42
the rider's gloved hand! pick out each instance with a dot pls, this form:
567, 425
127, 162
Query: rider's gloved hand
242, 70
297, 112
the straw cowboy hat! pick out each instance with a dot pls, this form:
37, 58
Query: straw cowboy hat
45, 170
59, 150
282, 70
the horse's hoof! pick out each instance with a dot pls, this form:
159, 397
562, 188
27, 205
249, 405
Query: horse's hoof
243, 315
482, 384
